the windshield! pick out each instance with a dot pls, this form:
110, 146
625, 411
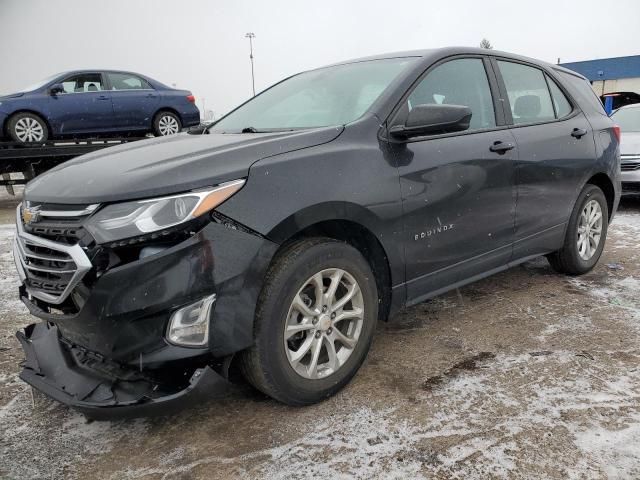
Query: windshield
41, 83
318, 98
628, 119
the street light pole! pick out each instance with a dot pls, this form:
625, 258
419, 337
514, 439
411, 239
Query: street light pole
251, 36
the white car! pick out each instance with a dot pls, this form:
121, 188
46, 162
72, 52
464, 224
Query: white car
628, 118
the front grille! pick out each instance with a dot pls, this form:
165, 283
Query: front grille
630, 166
48, 252
629, 162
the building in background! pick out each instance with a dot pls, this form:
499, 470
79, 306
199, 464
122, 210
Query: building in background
615, 80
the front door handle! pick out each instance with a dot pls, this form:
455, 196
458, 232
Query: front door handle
501, 147
103, 97
578, 132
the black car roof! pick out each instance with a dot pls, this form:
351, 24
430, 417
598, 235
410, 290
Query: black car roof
437, 53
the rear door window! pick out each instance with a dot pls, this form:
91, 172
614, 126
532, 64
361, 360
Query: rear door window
528, 93
126, 81
458, 82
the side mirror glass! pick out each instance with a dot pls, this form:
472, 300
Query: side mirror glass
56, 88
433, 119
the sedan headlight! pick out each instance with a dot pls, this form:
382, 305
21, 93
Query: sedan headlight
130, 219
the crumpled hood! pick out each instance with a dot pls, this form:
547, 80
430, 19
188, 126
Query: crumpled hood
167, 165
630, 143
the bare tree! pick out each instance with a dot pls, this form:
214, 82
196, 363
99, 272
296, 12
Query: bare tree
486, 44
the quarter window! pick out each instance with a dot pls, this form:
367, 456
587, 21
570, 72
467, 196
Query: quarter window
528, 93
458, 82
560, 102
126, 81
83, 82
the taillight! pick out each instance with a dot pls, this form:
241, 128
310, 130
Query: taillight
616, 132
191, 98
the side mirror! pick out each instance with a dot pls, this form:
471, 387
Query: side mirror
431, 119
56, 88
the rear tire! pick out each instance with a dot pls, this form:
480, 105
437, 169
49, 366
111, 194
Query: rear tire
305, 271
582, 244
166, 123
27, 127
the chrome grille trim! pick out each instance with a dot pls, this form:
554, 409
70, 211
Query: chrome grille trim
70, 254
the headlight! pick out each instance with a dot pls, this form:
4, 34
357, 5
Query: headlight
131, 219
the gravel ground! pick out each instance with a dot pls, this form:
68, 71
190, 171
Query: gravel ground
527, 374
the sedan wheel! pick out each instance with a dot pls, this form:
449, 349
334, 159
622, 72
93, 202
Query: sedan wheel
168, 125
26, 128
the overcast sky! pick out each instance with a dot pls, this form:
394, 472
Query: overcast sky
199, 45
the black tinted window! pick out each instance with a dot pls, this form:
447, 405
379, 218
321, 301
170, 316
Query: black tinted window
581, 90
126, 81
458, 82
560, 101
83, 82
528, 93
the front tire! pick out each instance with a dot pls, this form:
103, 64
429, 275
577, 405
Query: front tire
314, 322
586, 234
27, 128
166, 123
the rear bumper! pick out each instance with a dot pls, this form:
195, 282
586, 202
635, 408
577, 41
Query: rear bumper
100, 391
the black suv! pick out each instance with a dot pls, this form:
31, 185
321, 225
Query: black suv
275, 239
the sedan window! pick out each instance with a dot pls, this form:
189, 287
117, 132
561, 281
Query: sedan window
83, 82
126, 81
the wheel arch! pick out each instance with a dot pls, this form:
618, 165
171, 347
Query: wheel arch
602, 181
166, 109
356, 229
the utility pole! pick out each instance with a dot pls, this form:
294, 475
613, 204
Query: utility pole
251, 36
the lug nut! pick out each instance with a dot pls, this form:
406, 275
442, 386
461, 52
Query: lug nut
333, 315
318, 334
324, 308
315, 320
329, 331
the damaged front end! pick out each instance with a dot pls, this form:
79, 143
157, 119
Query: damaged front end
135, 327
102, 389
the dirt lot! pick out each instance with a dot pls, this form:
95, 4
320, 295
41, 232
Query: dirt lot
528, 374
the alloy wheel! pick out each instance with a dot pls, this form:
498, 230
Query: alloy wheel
324, 323
589, 230
29, 129
168, 125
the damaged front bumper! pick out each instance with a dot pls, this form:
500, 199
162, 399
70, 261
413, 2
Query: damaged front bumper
100, 389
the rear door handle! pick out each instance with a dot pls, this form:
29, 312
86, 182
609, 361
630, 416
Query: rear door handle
578, 132
103, 97
151, 95
501, 147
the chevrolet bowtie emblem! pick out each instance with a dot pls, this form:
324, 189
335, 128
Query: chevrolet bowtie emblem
30, 215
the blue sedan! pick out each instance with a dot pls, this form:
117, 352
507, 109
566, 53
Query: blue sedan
92, 102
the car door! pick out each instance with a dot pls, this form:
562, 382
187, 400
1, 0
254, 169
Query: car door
135, 101
458, 190
84, 106
555, 151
